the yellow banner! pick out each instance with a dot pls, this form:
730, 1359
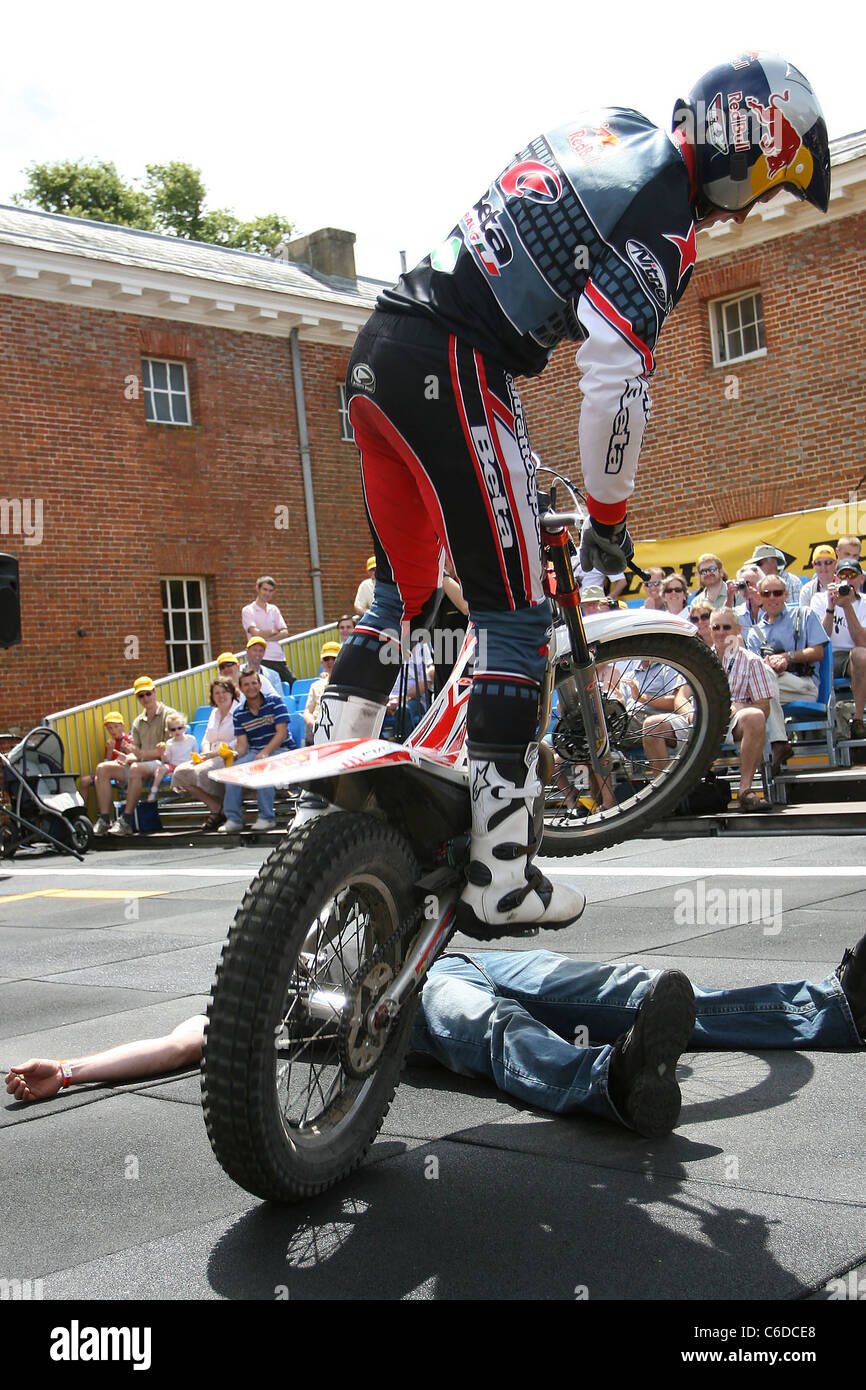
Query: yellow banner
796, 535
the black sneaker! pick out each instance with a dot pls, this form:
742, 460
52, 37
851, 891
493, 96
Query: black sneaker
851, 974
642, 1079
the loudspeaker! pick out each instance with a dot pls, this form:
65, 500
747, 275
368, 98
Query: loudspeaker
10, 603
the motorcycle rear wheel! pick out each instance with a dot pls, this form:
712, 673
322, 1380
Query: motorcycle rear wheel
642, 794
294, 1089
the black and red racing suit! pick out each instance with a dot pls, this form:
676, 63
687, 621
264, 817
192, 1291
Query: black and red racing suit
587, 235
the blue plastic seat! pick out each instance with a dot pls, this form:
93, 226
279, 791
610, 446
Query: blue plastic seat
816, 716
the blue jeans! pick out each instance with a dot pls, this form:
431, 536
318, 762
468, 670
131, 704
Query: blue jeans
513, 1017
233, 799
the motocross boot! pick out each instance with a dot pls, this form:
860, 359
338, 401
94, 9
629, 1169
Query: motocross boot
506, 893
341, 716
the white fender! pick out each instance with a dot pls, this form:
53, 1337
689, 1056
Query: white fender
625, 622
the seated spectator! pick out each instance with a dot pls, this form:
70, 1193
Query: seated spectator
748, 604
412, 691
791, 641
650, 688
149, 733
593, 599
673, 596
345, 626
843, 618
178, 748
848, 548
366, 588
714, 578
771, 560
700, 613
652, 587
824, 561
117, 744
663, 733
752, 690
229, 668
261, 729
261, 618
194, 778
270, 680
328, 655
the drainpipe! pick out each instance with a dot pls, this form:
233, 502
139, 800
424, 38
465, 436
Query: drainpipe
309, 501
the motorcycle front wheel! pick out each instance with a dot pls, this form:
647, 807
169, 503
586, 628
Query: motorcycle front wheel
583, 812
295, 1088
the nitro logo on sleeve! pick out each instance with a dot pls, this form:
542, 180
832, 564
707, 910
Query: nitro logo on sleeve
649, 272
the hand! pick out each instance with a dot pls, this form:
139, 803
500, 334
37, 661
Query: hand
732, 593
160, 747
34, 1080
608, 554
778, 661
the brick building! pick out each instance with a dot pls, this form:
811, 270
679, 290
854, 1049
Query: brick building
153, 398
152, 438
758, 399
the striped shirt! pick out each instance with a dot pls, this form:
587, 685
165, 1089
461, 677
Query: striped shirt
259, 729
748, 677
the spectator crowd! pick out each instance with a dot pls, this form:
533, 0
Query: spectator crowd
768, 627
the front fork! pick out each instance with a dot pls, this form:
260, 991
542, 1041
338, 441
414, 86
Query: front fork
576, 679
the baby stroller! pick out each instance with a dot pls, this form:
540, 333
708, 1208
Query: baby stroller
41, 803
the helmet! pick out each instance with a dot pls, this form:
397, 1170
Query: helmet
755, 125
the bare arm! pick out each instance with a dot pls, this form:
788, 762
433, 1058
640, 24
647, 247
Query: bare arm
41, 1078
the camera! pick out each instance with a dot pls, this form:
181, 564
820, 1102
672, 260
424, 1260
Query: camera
742, 586
843, 590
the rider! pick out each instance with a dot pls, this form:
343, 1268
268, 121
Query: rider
587, 235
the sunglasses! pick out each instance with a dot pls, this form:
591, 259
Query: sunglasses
675, 591
176, 728
700, 617
721, 627
825, 563
774, 593
144, 694
710, 569
653, 583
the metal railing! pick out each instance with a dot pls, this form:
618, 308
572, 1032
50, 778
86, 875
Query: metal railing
81, 728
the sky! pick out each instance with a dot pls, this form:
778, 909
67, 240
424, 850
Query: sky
386, 119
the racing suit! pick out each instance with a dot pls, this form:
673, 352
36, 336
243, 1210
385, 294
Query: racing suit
588, 235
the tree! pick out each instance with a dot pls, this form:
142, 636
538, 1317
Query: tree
176, 192
172, 202
85, 190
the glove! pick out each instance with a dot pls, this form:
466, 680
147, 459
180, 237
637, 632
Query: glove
605, 548
227, 754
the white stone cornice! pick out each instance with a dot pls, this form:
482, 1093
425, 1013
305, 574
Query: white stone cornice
62, 277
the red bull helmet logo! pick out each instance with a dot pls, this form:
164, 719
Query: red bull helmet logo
779, 140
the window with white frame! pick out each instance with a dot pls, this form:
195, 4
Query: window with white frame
184, 622
346, 431
166, 392
737, 328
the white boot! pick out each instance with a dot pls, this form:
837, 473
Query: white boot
340, 717
505, 889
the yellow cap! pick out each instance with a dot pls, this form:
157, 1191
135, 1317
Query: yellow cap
330, 649
226, 657
143, 683
112, 717
371, 563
